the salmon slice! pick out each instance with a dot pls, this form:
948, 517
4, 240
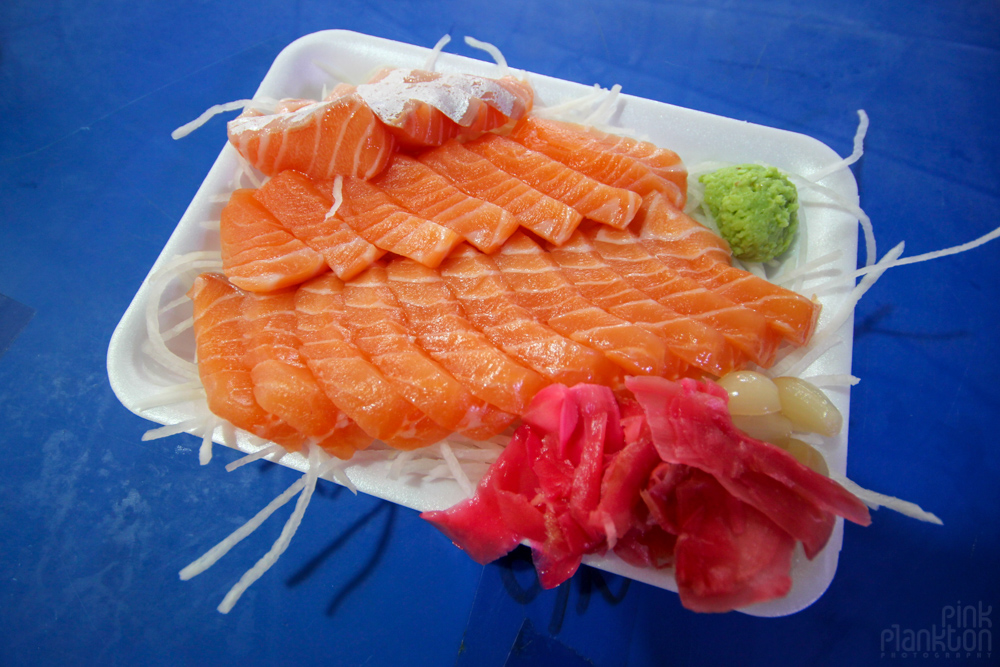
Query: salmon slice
491, 306
743, 328
477, 176
430, 195
591, 199
378, 328
543, 289
695, 343
423, 108
340, 136
587, 154
695, 251
348, 378
220, 344
381, 221
440, 326
283, 384
663, 162
305, 211
258, 254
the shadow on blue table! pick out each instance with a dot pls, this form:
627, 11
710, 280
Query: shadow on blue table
343, 539
514, 622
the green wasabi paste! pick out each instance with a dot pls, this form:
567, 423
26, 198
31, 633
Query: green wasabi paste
755, 208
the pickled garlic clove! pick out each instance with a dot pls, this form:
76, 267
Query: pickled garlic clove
808, 407
773, 428
750, 393
806, 454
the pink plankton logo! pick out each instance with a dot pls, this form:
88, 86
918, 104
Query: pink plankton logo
965, 633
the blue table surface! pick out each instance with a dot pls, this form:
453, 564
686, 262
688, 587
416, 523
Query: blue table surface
95, 524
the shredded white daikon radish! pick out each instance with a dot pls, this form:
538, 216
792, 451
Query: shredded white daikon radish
833, 380
859, 141
435, 52
493, 51
205, 451
173, 429
271, 557
209, 113
456, 469
875, 500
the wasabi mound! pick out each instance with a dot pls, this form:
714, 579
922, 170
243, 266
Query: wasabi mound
755, 208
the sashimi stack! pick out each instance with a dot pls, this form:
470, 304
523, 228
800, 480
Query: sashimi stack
427, 257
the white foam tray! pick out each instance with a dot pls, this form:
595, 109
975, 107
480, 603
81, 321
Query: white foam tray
303, 69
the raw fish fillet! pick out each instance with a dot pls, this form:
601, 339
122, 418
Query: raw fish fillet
587, 154
694, 342
322, 140
220, 340
258, 254
283, 384
478, 177
423, 108
440, 326
543, 289
589, 198
348, 378
663, 162
304, 210
430, 195
491, 306
746, 330
693, 250
381, 221
378, 328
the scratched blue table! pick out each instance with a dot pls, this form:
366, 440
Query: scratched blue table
94, 524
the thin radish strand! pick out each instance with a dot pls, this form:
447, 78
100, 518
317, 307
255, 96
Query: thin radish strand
927, 256
859, 142
833, 380
456, 469
209, 113
205, 451
435, 52
602, 114
273, 448
807, 269
493, 51
853, 209
173, 429
265, 563
875, 500
212, 556
185, 391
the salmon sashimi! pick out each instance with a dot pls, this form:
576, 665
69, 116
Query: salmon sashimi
258, 254
335, 137
440, 326
477, 176
587, 154
743, 328
663, 162
430, 195
348, 377
591, 199
376, 217
220, 344
491, 306
378, 328
305, 211
695, 251
423, 108
543, 289
694, 342
283, 384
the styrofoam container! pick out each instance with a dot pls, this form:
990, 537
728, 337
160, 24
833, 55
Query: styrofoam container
308, 67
